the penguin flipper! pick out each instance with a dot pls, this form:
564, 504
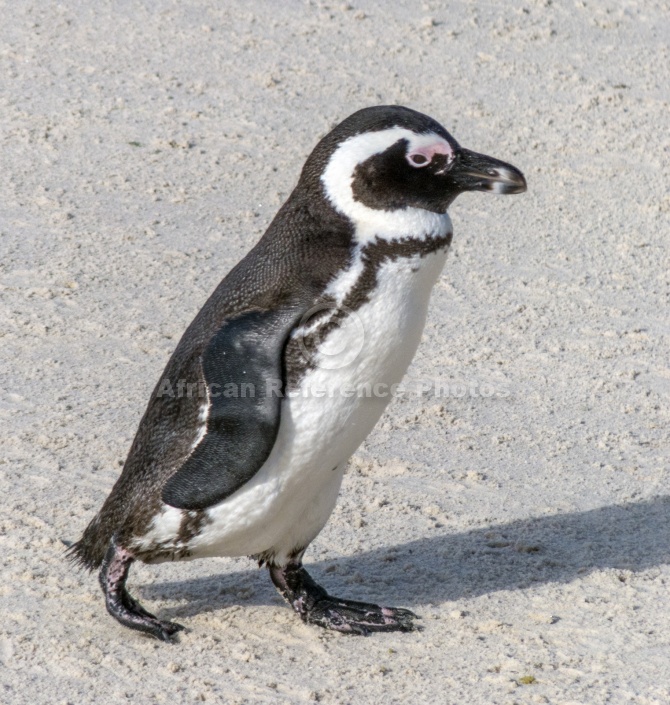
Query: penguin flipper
242, 367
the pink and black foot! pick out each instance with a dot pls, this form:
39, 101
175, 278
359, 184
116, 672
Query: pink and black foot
129, 612
316, 606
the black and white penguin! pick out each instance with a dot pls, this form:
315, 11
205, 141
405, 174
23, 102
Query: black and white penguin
245, 439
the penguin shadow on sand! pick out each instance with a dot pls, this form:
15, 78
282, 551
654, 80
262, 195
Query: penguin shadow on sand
553, 549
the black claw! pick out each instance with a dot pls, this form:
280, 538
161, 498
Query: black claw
316, 606
121, 605
165, 631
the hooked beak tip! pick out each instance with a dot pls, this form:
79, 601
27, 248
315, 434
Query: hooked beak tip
504, 180
479, 172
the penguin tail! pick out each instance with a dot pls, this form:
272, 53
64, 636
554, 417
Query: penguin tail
89, 551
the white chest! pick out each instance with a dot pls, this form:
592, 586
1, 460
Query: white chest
289, 500
338, 402
360, 361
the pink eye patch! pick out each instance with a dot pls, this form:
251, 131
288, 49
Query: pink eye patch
422, 156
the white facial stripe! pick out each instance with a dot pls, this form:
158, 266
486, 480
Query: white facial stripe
370, 222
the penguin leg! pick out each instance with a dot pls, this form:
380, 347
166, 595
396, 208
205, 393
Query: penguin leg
316, 606
121, 605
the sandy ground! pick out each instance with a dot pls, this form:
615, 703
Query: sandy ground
146, 145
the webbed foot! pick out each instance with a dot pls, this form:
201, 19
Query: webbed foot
316, 606
121, 605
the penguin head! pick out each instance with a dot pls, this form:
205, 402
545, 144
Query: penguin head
388, 160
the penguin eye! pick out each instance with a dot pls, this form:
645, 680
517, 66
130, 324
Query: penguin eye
417, 160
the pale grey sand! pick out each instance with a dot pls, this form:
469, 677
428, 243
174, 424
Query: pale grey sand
144, 149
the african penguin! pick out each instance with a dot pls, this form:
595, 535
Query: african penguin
246, 436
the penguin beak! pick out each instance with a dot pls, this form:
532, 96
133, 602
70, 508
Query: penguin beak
477, 172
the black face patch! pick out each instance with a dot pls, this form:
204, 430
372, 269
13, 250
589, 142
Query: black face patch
386, 181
